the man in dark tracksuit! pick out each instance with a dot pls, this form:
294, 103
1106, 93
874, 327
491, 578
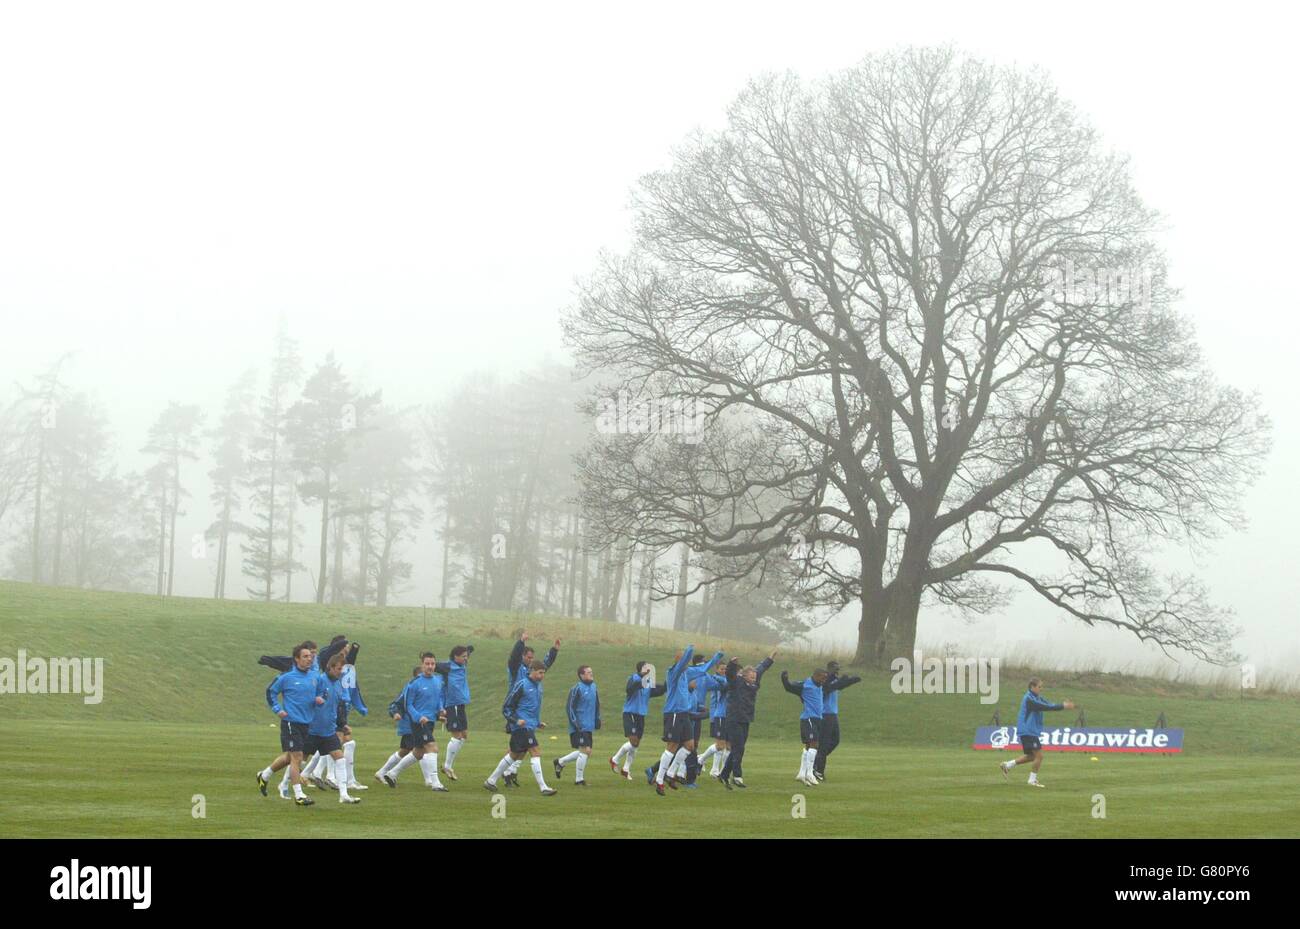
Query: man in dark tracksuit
742, 691
830, 735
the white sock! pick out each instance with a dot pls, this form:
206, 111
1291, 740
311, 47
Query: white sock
407, 760
803, 764
350, 756
310, 767
709, 752
453, 749
284, 781
514, 765
631, 754
720, 760
505, 762
623, 749
429, 765
571, 757
1033, 777
1008, 765
582, 766
391, 763
665, 762
267, 773
330, 765
537, 772
341, 769
297, 790
679, 763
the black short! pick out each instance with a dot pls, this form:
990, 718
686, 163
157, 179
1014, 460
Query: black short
521, 740
678, 727
697, 726
580, 740
422, 735
1030, 743
810, 730
457, 719
718, 727
325, 744
633, 724
408, 741
293, 736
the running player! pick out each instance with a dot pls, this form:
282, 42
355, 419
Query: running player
522, 711
1029, 725
583, 710
517, 665
296, 689
397, 712
327, 722
424, 702
456, 672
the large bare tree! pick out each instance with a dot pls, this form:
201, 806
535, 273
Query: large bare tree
930, 323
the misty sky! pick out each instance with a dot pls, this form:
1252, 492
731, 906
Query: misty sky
417, 186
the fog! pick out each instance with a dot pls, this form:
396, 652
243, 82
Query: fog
417, 187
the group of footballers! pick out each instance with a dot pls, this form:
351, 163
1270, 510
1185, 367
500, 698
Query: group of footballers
316, 689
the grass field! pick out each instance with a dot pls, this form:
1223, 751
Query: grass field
183, 715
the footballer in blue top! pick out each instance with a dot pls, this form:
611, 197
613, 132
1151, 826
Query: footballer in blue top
640, 688
522, 711
521, 659
424, 703
456, 672
583, 709
296, 689
1029, 725
328, 721
830, 729
717, 683
396, 762
810, 691
679, 722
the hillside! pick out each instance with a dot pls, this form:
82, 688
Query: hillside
194, 660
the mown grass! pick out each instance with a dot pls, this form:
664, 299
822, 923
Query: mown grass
184, 713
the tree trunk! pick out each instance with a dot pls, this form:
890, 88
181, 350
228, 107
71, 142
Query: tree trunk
176, 505
162, 538
887, 629
36, 510
446, 551
324, 538
288, 546
683, 582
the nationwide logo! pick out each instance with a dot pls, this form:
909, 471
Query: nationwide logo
1066, 739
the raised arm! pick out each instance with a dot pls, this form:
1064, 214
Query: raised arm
516, 659
278, 663
762, 667
839, 683
329, 651
683, 662
1036, 703
796, 689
